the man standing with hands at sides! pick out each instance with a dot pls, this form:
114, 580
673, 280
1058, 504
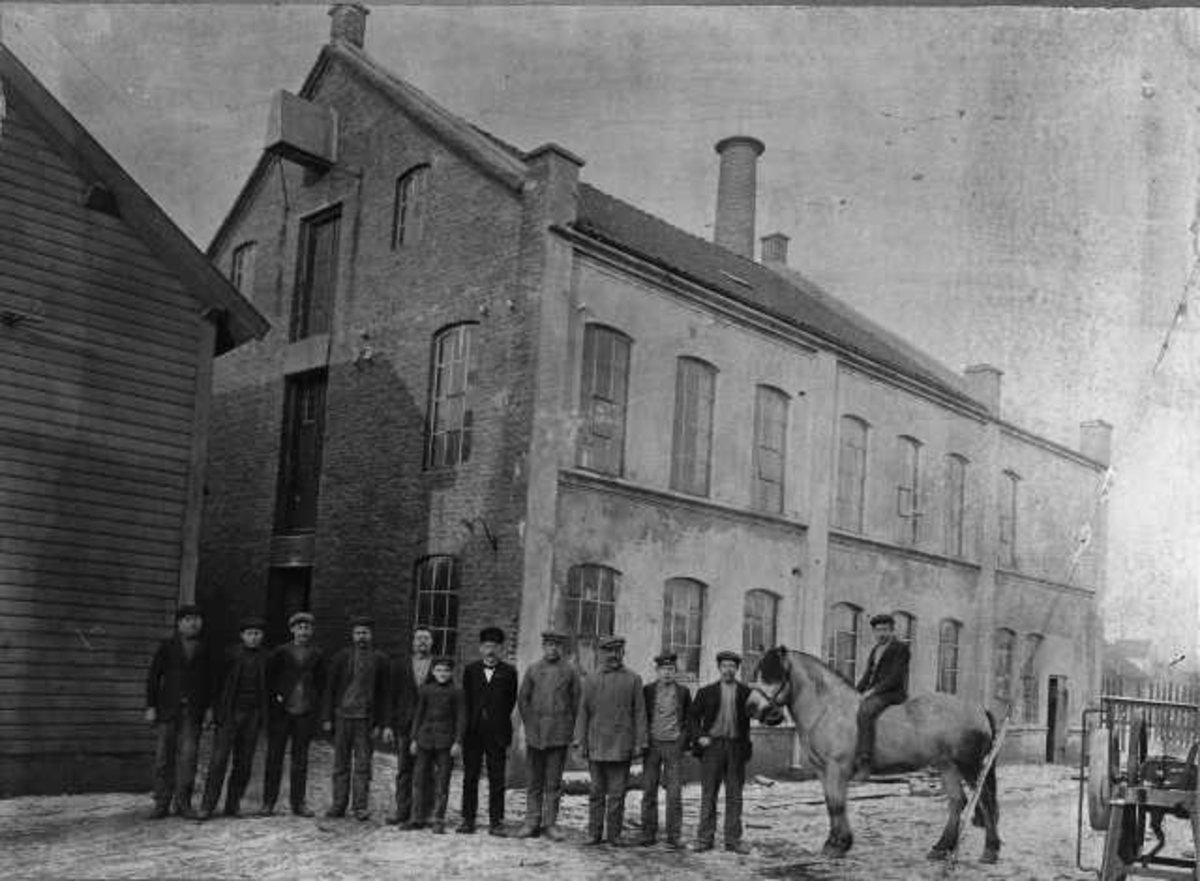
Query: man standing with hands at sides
355, 703
722, 725
490, 687
609, 731
295, 680
884, 683
668, 705
406, 678
548, 700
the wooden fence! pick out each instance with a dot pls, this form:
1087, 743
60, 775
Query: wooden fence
1169, 710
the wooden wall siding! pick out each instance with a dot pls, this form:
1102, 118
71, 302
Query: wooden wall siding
97, 424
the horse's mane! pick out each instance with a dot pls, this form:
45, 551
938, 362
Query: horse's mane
824, 677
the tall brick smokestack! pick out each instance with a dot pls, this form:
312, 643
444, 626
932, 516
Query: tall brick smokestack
736, 185
349, 23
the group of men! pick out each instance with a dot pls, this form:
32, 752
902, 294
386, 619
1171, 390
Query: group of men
358, 695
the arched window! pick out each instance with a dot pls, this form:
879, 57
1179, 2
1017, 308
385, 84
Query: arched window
437, 582
604, 389
683, 621
956, 503
1003, 651
947, 659
845, 628
408, 212
759, 628
852, 473
770, 442
1007, 550
589, 608
450, 414
908, 491
691, 448
906, 630
1030, 710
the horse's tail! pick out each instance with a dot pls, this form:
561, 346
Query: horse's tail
987, 798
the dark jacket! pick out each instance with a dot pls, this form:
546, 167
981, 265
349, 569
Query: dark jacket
887, 671
549, 699
284, 672
174, 681
490, 704
683, 707
611, 723
403, 699
339, 680
440, 719
236, 663
707, 705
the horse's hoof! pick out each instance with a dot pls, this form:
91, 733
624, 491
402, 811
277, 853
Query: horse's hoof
937, 853
990, 856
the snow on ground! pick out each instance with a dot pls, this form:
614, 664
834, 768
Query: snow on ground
107, 836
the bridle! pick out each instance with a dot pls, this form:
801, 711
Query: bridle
780, 697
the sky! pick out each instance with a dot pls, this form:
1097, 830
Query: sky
1012, 186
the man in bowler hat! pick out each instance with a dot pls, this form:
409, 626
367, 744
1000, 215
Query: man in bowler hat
884, 683
490, 687
721, 723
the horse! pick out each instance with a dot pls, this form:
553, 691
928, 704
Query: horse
937, 730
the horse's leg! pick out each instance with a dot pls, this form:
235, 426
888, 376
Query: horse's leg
989, 807
952, 782
837, 782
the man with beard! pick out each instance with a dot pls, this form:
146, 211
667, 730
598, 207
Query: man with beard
490, 686
407, 677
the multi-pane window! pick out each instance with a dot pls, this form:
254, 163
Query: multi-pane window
759, 626
691, 449
956, 502
316, 275
241, 270
906, 629
1003, 652
947, 657
908, 491
770, 435
408, 213
1007, 551
455, 362
1029, 682
437, 588
589, 608
851, 474
845, 630
300, 452
683, 619
604, 388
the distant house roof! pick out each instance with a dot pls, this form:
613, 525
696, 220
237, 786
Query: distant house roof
237, 320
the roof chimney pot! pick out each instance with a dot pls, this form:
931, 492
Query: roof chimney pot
775, 248
736, 190
983, 384
348, 23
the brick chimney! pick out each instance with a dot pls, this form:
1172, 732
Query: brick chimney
1095, 440
736, 185
774, 248
983, 383
349, 23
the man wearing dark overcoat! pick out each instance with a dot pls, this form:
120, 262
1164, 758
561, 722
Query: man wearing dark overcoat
668, 723
490, 688
407, 676
721, 725
884, 683
178, 691
610, 730
548, 700
295, 681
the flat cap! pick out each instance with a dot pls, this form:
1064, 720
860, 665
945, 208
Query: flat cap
727, 655
252, 622
442, 661
188, 609
553, 636
885, 618
362, 621
613, 642
491, 634
666, 659
297, 617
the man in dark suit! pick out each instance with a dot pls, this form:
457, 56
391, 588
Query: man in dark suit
407, 676
490, 686
668, 726
885, 683
721, 725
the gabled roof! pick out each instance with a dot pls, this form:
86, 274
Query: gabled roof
791, 298
237, 320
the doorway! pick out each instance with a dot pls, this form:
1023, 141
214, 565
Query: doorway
1057, 719
287, 592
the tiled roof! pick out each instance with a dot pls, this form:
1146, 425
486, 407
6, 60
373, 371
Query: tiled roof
793, 299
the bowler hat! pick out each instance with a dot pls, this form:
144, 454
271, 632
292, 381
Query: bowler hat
727, 655
252, 622
883, 619
613, 642
188, 609
666, 659
297, 617
362, 621
553, 636
491, 634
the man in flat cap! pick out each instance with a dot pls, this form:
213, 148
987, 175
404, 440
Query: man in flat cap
490, 687
354, 706
295, 680
721, 723
884, 683
668, 709
240, 713
548, 700
609, 731
178, 691
408, 674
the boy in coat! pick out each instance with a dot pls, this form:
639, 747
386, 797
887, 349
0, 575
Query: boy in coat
490, 688
178, 690
721, 724
439, 723
884, 683
668, 709
295, 680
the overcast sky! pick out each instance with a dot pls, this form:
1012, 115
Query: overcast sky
1012, 186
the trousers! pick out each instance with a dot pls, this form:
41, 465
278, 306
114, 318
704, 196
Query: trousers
352, 747
176, 747
543, 790
431, 784
722, 764
236, 736
868, 712
474, 754
281, 728
606, 799
662, 766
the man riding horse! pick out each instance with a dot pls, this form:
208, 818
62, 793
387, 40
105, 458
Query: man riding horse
885, 683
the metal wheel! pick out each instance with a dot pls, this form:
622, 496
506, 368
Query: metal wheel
1099, 777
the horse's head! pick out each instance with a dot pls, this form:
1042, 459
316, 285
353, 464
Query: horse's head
770, 694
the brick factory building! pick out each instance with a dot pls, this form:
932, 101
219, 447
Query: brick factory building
498, 395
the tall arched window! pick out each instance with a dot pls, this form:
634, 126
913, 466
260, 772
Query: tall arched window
956, 503
759, 628
683, 622
1030, 711
852, 473
947, 666
408, 212
1007, 551
1003, 652
590, 608
845, 628
437, 583
770, 442
691, 447
450, 414
908, 491
604, 389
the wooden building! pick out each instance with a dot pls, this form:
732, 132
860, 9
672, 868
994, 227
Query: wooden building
109, 321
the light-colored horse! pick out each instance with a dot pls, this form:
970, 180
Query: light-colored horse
937, 730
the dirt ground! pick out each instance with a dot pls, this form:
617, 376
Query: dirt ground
106, 836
